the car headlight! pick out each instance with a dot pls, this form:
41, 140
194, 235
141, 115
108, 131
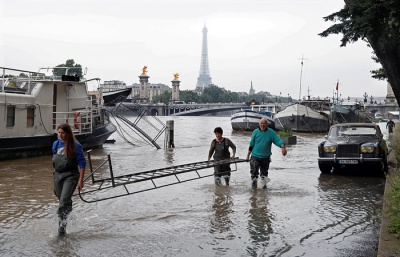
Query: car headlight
367, 148
330, 148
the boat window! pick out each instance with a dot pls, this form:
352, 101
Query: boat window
30, 116
10, 116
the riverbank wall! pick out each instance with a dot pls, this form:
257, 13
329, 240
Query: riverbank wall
389, 243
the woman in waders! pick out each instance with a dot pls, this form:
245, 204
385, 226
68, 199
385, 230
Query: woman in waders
69, 168
220, 148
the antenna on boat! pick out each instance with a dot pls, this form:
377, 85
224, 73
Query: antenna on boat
301, 73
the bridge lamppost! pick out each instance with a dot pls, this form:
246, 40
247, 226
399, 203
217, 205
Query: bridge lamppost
365, 97
372, 99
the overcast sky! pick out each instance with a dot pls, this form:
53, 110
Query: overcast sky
261, 41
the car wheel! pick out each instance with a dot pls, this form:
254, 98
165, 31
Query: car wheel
381, 168
324, 168
386, 165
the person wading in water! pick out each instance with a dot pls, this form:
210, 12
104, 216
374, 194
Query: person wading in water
69, 169
220, 148
260, 150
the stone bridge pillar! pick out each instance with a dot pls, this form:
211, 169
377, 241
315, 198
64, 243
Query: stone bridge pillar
175, 87
144, 94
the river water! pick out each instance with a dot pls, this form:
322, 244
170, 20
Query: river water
301, 213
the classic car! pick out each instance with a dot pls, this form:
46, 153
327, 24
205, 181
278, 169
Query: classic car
353, 145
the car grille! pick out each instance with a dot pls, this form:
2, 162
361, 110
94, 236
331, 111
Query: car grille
348, 151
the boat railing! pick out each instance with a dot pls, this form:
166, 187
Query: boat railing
81, 121
19, 83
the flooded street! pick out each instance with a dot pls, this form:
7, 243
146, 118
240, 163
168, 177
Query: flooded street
301, 213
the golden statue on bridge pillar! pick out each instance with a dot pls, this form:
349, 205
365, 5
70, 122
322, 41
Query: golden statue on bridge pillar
144, 71
176, 76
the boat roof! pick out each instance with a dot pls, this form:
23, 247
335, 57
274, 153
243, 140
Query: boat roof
361, 124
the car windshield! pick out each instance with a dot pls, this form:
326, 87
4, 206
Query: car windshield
341, 131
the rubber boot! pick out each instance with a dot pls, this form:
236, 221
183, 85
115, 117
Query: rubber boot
217, 181
227, 180
62, 224
254, 183
263, 182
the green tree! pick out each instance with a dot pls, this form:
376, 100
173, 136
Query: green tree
230, 97
205, 98
378, 23
74, 69
163, 98
188, 96
214, 93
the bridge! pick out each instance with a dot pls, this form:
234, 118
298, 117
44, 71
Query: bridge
382, 108
198, 109
189, 109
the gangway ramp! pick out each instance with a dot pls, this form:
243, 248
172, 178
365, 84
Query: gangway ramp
123, 185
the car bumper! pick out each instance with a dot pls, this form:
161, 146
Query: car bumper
348, 160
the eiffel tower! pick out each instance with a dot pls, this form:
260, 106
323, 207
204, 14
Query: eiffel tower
204, 79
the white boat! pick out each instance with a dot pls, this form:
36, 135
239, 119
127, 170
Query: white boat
32, 105
249, 119
301, 118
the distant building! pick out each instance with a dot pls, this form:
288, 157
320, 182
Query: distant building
154, 90
110, 85
264, 93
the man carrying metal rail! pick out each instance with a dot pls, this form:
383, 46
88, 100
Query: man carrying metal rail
220, 148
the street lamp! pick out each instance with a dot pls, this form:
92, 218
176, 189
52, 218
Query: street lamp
365, 97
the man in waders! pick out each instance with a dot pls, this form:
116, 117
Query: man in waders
390, 125
220, 148
260, 150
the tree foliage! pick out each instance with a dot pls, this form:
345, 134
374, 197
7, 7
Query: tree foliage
378, 23
163, 98
74, 69
188, 96
215, 94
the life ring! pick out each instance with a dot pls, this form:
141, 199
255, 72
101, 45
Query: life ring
77, 124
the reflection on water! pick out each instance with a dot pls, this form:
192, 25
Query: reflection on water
222, 207
259, 223
169, 156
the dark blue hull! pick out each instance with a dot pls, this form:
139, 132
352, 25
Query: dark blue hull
23, 147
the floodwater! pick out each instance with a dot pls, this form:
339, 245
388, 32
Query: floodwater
301, 213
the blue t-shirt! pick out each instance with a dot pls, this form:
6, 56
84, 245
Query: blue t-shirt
80, 157
261, 142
